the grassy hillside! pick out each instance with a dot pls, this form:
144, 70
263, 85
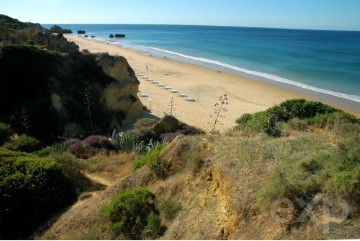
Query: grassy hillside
244, 184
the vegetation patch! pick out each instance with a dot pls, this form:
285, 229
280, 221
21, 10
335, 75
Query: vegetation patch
151, 159
299, 112
134, 215
31, 190
334, 171
91, 146
144, 122
168, 208
24, 143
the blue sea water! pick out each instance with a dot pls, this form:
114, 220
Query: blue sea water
321, 61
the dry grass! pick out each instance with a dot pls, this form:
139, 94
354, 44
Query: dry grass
250, 161
218, 181
110, 167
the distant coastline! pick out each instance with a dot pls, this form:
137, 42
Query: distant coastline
323, 64
204, 84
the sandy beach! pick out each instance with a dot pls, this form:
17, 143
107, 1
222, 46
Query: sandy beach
204, 85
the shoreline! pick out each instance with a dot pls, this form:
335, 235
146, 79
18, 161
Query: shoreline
205, 85
340, 97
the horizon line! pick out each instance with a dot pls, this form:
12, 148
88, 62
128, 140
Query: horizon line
205, 25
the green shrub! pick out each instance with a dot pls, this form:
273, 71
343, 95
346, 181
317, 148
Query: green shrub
153, 228
335, 172
129, 212
8, 153
346, 183
4, 132
43, 152
169, 208
316, 113
299, 125
145, 122
31, 190
151, 159
74, 169
58, 147
332, 119
24, 143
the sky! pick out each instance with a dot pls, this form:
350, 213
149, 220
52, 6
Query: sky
296, 14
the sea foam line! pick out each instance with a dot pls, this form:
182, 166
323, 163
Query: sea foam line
262, 75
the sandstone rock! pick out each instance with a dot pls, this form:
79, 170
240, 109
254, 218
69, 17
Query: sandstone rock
166, 124
119, 35
121, 95
111, 35
81, 31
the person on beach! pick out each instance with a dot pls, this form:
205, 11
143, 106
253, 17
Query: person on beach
147, 69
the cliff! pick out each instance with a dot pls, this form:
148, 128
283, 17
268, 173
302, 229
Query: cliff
121, 95
59, 90
16, 32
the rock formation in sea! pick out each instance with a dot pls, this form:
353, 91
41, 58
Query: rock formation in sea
58, 29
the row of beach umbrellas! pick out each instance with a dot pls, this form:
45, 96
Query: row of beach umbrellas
168, 88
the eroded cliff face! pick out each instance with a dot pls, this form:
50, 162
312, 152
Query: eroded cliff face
110, 85
63, 92
121, 95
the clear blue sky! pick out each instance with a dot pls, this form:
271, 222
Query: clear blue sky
305, 14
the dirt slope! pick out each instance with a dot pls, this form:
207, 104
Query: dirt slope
217, 187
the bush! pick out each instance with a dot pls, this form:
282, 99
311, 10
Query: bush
145, 122
100, 143
43, 152
311, 112
298, 125
129, 212
153, 228
169, 208
332, 119
79, 149
24, 143
31, 190
335, 172
4, 132
90, 146
151, 159
74, 169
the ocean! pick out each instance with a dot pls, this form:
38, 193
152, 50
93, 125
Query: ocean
324, 62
